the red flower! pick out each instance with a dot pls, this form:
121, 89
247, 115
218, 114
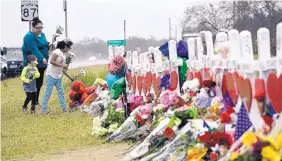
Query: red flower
213, 156
134, 105
206, 138
169, 132
140, 119
225, 118
221, 138
225, 139
260, 96
230, 110
180, 102
268, 120
192, 94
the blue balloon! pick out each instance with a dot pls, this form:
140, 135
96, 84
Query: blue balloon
110, 79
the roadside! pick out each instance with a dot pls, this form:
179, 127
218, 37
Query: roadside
104, 152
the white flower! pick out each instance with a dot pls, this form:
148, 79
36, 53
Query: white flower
113, 128
83, 73
215, 148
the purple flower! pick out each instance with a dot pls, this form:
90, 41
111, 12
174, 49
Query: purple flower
257, 148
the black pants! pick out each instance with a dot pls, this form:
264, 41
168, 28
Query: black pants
30, 96
39, 82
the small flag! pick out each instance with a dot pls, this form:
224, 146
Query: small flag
243, 122
206, 125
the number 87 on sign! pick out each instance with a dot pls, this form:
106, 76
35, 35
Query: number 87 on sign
29, 11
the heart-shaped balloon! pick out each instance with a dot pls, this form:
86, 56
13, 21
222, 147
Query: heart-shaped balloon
228, 85
173, 80
189, 75
236, 77
156, 81
139, 84
146, 85
274, 91
245, 91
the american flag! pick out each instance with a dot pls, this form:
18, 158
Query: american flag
243, 122
206, 125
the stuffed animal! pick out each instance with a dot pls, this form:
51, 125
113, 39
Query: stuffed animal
204, 98
78, 94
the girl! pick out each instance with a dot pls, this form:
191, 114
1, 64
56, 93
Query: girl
54, 74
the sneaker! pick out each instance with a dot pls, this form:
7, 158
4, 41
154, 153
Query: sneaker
24, 109
45, 113
32, 111
65, 110
37, 106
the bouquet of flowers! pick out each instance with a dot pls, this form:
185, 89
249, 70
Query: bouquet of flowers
98, 106
109, 121
58, 33
176, 149
259, 148
215, 144
143, 148
70, 57
135, 125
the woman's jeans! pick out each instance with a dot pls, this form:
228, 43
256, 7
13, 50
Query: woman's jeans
50, 83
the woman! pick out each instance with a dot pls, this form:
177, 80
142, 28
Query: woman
35, 43
54, 74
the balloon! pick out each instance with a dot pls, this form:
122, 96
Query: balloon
112, 78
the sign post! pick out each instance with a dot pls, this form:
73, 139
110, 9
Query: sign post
116, 43
29, 10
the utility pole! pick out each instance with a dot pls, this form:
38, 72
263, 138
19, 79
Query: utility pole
169, 23
66, 18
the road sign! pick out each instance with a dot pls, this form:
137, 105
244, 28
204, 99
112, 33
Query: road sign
29, 9
116, 42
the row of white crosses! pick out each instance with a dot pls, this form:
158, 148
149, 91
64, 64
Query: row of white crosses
242, 60
114, 51
240, 49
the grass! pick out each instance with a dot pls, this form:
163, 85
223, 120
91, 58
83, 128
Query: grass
25, 135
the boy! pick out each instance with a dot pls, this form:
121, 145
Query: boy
28, 76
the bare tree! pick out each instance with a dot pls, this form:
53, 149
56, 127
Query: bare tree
214, 17
241, 15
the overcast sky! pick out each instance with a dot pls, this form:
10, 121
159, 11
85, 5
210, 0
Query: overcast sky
95, 18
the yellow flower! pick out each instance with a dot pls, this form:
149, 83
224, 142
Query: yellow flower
216, 107
249, 138
196, 154
279, 140
234, 156
272, 142
269, 153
